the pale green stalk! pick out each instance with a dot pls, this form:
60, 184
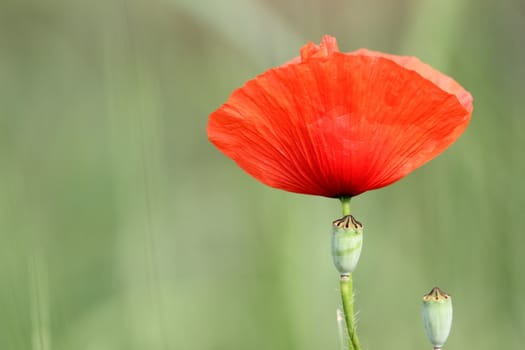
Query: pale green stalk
341, 329
347, 295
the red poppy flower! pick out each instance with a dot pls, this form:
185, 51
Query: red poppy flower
339, 124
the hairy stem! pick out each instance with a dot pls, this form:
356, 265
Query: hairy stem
347, 296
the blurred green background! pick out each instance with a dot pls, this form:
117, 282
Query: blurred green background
121, 227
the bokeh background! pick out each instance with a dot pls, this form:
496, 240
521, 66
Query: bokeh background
121, 227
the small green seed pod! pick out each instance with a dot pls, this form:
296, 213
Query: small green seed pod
437, 316
347, 240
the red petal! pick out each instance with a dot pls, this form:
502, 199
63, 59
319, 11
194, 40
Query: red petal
338, 125
413, 63
328, 46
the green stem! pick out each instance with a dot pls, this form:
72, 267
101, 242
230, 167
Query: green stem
347, 295
345, 201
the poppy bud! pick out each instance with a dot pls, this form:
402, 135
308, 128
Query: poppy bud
437, 316
347, 240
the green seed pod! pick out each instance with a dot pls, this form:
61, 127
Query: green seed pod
347, 240
437, 316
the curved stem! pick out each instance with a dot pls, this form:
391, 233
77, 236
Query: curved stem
347, 295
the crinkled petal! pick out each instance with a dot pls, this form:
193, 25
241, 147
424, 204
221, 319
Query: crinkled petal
337, 125
413, 63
